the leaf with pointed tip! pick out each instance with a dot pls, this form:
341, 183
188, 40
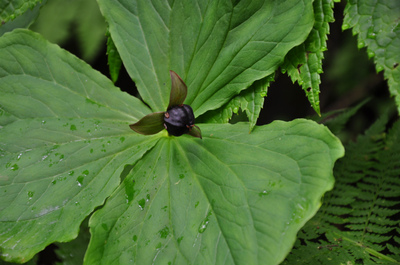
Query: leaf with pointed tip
114, 60
150, 124
304, 62
195, 131
65, 141
218, 47
231, 198
178, 90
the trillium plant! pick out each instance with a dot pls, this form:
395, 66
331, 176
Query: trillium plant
225, 196
177, 120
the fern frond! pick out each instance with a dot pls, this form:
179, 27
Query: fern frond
358, 222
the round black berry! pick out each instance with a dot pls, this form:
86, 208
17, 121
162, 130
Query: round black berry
179, 120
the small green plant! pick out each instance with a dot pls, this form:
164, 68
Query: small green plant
68, 154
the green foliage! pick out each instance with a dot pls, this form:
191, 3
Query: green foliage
59, 20
72, 253
11, 9
114, 60
376, 22
22, 21
358, 221
250, 100
67, 146
195, 38
304, 63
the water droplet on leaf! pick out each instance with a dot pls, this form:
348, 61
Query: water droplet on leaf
141, 204
204, 224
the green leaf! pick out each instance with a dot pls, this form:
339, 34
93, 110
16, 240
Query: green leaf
376, 22
114, 60
178, 90
304, 63
150, 124
219, 48
358, 218
22, 21
231, 198
65, 140
59, 19
72, 253
250, 100
11, 9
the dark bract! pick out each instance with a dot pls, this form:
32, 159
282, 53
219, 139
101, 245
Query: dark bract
179, 120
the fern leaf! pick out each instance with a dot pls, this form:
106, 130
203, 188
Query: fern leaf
358, 221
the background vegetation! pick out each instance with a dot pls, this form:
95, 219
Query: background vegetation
358, 222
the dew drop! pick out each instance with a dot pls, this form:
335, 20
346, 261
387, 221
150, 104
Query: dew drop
141, 204
80, 181
134, 238
71, 173
263, 193
204, 224
30, 194
73, 127
181, 176
105, 227
14, 167
122, 139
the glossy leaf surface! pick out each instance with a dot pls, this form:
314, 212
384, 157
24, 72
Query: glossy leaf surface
231, 198
226, 199
150, 124
178, 90
218, 48
65, 140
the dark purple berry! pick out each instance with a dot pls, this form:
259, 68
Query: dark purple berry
179, 120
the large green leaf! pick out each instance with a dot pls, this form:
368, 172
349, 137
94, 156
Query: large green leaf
231, 198
10, 9
377, 24
65, 140
218, 47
